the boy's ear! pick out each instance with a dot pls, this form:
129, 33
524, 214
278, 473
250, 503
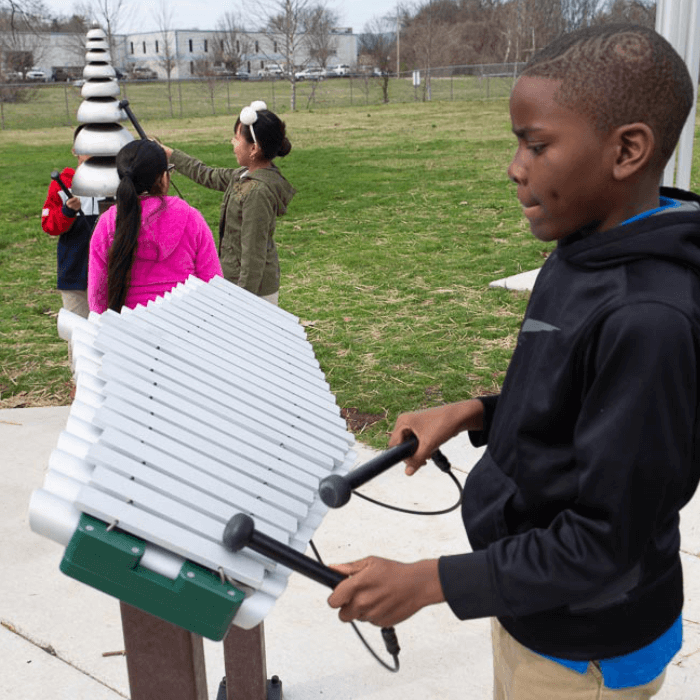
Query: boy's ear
635, 146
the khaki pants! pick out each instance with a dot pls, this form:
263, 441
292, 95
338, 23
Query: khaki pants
521, 674
273, 298
75, 300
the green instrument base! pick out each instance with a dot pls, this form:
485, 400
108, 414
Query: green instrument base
109, 561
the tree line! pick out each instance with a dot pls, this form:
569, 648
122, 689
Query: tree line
419, 36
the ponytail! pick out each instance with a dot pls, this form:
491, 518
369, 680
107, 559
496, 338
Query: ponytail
139, 164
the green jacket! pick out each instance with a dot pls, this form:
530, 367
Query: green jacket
252, 203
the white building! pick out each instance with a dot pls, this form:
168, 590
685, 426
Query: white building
187, 53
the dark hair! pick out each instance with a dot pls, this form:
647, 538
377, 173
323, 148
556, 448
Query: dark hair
139, 165
616, 74
270, 132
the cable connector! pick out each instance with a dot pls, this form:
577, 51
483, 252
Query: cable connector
441, 462
390, 641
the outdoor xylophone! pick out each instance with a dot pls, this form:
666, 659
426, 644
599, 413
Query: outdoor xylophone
206, 403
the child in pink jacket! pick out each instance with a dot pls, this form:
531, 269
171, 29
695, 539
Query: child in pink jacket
147, 243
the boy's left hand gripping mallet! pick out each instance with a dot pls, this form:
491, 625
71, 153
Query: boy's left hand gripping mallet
55, 175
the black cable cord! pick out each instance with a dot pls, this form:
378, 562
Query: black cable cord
179, 194
388, 634
444, 465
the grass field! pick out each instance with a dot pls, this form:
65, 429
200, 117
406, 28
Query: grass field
403, 215
45, 106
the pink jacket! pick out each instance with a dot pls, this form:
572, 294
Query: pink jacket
174, 243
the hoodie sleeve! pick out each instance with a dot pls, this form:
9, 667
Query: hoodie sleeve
195, 170
55, 217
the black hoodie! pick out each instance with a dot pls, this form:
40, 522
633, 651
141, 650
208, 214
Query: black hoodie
593, 447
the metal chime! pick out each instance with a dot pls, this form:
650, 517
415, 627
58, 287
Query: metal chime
103, 136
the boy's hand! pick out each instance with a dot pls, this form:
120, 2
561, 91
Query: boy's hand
73, 203
435, 426
385, 592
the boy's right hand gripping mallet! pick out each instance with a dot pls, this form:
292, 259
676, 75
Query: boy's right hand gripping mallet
55, 175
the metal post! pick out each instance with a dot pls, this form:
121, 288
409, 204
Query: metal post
679, 22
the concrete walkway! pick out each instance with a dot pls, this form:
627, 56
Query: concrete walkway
55, 631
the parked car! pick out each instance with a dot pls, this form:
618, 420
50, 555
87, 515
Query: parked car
242, 75
271, 72
37, 75
143, 73
339, 71
66, 74
311, 74
13, 76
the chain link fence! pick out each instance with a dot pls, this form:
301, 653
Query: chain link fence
44, 105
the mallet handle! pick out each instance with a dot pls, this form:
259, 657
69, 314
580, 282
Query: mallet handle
55, 175
124, 104
240, 532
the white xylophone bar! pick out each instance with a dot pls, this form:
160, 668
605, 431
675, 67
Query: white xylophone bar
202, 404
216, 367
255, 419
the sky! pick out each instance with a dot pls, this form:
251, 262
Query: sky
204, 14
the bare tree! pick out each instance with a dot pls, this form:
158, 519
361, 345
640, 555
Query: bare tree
377, 43
22, 15
204, 70
284, 28
321, 44
638, 11
21, 46
110, 15
166, 46
231, 42
22, 49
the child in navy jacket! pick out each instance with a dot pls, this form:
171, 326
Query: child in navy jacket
59, 217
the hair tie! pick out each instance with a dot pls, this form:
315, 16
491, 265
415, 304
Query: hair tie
249, 115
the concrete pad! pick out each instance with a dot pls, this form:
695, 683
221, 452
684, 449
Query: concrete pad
523, 282
30, 672
314, 654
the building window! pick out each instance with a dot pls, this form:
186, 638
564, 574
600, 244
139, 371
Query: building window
191, 67
238, 46
222, 45
206, 46
144, 47
131, 44
156, 45
274, 49
257, 47
190, 42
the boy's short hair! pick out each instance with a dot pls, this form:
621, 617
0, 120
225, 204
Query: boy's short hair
618, 74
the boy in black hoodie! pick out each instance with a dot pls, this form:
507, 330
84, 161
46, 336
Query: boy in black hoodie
593, 443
